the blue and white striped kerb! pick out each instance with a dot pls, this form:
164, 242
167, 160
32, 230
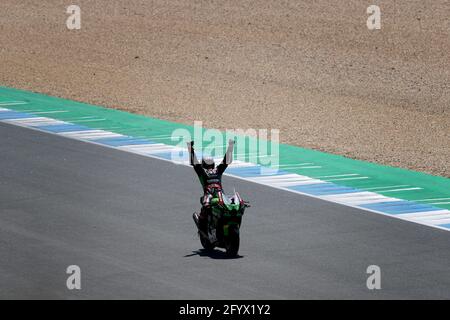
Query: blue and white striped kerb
417, 212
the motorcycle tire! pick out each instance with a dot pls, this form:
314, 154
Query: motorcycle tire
232, 242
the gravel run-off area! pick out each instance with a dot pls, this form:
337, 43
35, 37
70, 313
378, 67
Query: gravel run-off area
311, 69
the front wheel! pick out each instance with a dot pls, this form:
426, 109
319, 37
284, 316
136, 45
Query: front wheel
232, 241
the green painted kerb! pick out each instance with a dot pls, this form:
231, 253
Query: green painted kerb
337, 169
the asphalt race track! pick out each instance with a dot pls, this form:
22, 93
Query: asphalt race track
126, 221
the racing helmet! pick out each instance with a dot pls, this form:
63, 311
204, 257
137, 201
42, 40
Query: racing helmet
208, 163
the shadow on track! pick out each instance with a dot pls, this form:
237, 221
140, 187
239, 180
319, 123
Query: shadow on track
213, 254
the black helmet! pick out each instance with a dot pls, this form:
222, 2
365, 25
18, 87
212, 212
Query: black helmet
208, 163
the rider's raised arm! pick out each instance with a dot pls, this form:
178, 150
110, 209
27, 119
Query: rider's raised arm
228, 158
192, 156
195, 163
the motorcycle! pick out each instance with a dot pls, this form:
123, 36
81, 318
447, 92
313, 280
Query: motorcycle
224, 222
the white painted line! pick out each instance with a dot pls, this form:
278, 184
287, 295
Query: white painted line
374, 200
435, 199
295, 164
354, 195
435, 222
309, 167
39, 121
339, 175
282, 177
12, 103
286, 180
295, 183
387, 187
299, 167
31, 119
295, 180
161, 138
99, 135
360, 198
150, 148
89, 120
78, 132
50, 112
94, 136
433, 217
399, 190
353, 178
424, 214
141, 146
166, 149
90, 134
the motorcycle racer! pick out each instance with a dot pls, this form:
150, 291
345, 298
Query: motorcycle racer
210, 177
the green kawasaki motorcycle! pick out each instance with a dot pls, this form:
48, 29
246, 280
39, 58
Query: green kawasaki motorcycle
224, 222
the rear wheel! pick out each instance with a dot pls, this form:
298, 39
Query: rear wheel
232, 241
